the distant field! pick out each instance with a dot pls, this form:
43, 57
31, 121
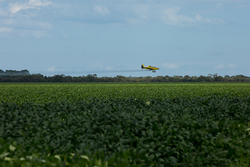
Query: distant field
51, 92
124, 124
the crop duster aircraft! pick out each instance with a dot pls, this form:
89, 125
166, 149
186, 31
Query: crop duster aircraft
149, 68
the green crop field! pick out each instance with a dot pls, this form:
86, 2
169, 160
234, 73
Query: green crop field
124, 124
51, 92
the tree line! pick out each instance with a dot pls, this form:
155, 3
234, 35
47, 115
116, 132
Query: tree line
119, 78
9, 73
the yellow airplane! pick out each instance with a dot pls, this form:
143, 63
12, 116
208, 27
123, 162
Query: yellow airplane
149, 68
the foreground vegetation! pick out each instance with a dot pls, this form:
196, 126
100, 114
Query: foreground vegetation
125, 124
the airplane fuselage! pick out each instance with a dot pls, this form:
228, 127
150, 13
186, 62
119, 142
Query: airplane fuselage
149, 68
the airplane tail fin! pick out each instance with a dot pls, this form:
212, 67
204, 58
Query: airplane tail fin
142, 66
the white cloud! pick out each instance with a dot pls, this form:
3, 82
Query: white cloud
142, 11
2, 13
171, 17
38, 3
170, 65
51, 69
15, 7
108, 68
221, 66
133, 20
198, 18
44, 25
64, 35
39, 34
5, 29
232, 66
102, 10
138, 14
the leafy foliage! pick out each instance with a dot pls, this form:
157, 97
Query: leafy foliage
42, 93
198, 129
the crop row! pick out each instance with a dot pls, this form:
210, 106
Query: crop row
52, 92
199, 131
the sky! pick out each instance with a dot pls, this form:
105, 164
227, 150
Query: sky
114, 37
